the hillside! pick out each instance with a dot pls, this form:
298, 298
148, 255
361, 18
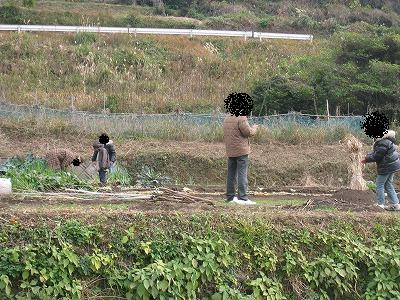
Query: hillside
159, 74
322, 16
153, 74
353, 62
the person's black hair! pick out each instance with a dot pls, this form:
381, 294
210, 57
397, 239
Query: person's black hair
76, 162
375, 124
103, 138
239, 104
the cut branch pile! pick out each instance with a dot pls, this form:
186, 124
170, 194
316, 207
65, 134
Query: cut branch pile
169, 195
71, 194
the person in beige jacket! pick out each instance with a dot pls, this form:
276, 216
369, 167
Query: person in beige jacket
237, 132
60, 159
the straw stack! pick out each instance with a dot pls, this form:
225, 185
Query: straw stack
354, 148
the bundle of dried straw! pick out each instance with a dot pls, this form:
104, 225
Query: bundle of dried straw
354, 147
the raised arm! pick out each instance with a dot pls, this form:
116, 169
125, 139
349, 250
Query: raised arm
245, 129
378, 154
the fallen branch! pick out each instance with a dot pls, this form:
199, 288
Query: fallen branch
308, 203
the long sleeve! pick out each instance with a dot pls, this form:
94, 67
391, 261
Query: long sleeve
94, 157
245, 128
112, 153
378, 154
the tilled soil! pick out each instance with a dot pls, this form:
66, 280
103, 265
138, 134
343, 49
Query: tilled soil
345, 200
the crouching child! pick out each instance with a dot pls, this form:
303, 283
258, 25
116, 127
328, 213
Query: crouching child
60, 159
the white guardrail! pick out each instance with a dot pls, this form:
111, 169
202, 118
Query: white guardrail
190, 32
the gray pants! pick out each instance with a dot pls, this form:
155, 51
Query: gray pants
237, 173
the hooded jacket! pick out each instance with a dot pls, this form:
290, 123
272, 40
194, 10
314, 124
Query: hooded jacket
385, 154
101, 156
110, 149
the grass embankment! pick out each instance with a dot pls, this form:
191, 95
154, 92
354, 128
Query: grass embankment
127, 74
139, 256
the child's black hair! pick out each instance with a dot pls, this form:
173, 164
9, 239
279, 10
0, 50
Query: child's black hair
103, 138
375, 124
239, 104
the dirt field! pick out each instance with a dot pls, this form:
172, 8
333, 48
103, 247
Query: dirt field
286, 178
203, 164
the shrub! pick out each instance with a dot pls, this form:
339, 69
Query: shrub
29, 3
133, 20
280, 94
10, 14
265, 22
85, 38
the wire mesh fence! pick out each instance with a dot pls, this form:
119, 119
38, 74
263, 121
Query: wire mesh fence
157, 124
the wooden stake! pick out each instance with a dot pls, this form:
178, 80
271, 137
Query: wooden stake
327, 108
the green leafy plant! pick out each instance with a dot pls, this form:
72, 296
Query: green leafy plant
120, 175
148, 177
32, 173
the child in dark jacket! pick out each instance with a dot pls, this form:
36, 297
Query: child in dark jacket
386, 157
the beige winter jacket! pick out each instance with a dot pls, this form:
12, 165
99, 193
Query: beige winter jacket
60, 159
236, 135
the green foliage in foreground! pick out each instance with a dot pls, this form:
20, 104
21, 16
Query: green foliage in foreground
195, 258
32, 173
